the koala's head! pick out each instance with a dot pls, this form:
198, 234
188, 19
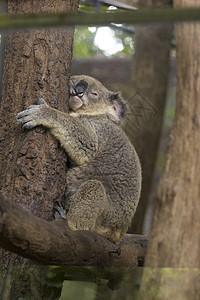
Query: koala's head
89, 96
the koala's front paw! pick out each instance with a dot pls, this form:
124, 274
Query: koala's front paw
34, 115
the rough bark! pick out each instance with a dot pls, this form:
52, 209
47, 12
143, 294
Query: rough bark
177, 205
148, 89
3, 10
33, 167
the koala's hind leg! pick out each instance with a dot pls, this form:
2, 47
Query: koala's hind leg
87, 206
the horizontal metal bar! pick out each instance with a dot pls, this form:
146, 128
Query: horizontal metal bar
155, 15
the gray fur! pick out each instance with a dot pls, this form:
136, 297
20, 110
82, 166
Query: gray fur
104, 183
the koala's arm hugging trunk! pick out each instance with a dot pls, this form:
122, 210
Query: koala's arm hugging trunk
78, 141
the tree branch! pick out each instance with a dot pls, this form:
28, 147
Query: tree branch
53, 243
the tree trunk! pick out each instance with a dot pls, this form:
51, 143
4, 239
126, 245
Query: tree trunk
147, 103
33, 167
175, 239
3, 10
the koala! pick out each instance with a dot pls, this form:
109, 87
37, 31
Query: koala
104, 178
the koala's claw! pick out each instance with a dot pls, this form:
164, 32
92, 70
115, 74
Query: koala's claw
26, 119
59, 211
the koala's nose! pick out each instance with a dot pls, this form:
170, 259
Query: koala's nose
80, 88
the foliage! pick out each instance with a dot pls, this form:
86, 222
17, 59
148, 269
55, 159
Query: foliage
85, 46
127, 39
84, 43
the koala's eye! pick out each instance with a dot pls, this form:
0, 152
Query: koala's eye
94, 93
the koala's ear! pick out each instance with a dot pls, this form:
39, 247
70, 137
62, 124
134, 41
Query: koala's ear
119, 105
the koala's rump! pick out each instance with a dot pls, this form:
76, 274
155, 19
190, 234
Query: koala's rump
117, 167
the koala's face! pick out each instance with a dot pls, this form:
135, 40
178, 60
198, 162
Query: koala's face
86, 93
89, 96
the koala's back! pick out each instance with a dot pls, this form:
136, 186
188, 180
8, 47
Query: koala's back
116, 166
